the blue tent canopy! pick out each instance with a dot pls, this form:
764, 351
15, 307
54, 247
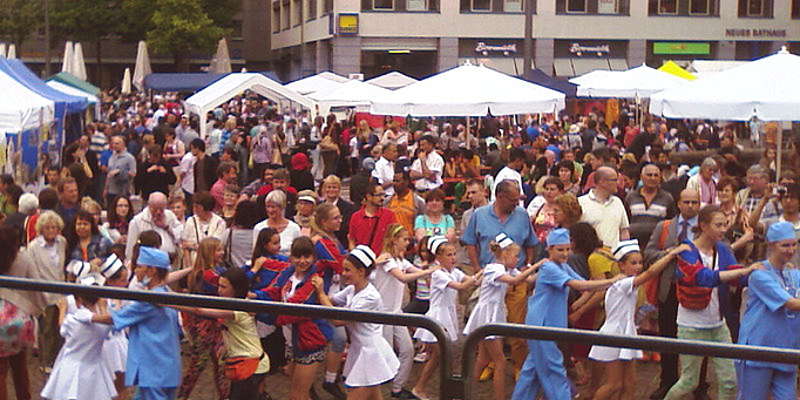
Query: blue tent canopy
187, 82
18, 70
538, 77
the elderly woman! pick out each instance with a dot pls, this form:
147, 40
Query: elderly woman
434, 222
275, 206
704, 182
47, 252
199, 226
86, 243
17, 308
542, 208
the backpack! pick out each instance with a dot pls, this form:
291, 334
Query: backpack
690, 296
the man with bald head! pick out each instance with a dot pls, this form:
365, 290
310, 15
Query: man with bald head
666, 235
158, 218
603, 210
649, 204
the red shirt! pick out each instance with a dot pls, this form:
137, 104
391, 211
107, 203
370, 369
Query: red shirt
370, 230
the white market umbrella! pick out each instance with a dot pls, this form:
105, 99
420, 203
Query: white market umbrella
392, 80
79, 66
66, 61
469, 90
2, 49
352, 93
12, 51
639, 82
126, 81
221, 63
142, 68
767, 89
321, 82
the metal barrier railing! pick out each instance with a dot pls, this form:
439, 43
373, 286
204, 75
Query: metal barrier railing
660, 344
448, 386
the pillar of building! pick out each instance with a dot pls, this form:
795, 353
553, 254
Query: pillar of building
323, 58
637, 53
544, 54
346, 55
726, 50
308, 55
447, 56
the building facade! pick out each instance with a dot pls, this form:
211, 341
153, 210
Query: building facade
570, 37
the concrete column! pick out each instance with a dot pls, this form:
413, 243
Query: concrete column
544, 54
323, 58
308, 54
447, 56
346, 55
637, 53
726, 50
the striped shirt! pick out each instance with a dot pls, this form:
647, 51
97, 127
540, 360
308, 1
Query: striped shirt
644, 217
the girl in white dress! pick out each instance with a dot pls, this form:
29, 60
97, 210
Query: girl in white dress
79, 372
620, 372
115, 348
445, 284
370, 358
491, 307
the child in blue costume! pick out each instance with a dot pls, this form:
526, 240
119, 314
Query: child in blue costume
771, 319
154, 359
544, 368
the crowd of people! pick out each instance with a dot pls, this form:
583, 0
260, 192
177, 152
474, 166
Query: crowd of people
568, 221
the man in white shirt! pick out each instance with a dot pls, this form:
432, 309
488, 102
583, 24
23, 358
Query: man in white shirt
384, 169
186, 168
155, 217
516, 161
605, 211
427, 168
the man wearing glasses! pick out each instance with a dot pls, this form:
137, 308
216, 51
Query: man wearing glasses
604, 211
368, 225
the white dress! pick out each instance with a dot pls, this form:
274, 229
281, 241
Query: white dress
620, 313
79, 372
443, 305
370, 358
491, 306
115, 347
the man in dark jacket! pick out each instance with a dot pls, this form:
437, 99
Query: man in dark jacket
205, 168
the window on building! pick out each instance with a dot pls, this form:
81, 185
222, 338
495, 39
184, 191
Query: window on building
312, 9
285, 16
699, 7
297, 12
481, 5
667, 7
417, 5
383, 4
328, 7
576, 6
795, 9
755, 8
276, 17
513, 6
237, 30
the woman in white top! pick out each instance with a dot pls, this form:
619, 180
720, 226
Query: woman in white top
491, 307
620, 299
391, 276
275, 205
204, 223
445, 284
370, 359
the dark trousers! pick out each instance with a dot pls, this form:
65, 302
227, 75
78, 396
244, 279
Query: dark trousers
246, 389
50, 340
275, 347
668, 327
18, 366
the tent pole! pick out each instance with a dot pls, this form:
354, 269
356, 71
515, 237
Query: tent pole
780, 153
467, 135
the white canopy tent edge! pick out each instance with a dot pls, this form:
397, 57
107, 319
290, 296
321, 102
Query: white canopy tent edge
226, 88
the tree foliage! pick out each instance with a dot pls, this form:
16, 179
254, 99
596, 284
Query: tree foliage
86, 20
19, 19
180, 27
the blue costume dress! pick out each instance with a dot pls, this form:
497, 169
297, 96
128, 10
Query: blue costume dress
544, 368
767, 322
154, 358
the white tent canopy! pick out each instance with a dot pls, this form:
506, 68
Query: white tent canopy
349, 94
639, 82
231, 85
67, 89
392, 80
21, 108
767, 89
469, 90
322, 81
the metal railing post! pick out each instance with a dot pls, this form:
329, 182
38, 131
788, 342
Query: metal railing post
449, 387
660, 344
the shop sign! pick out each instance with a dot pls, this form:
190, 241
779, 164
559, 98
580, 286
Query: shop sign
759, 33
484, 48
681, 48
347, 24
600, 50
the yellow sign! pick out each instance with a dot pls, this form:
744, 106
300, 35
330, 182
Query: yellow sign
347, 24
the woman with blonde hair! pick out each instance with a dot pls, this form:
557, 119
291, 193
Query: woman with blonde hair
567, 210
204, 334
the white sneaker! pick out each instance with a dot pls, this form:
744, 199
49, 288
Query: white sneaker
421, 357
